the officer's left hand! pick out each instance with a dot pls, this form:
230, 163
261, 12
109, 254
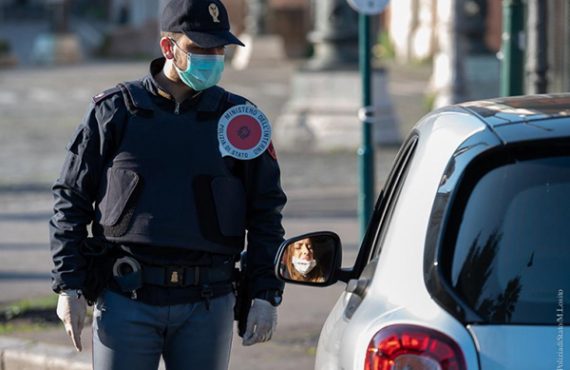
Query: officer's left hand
71, 311
261, 322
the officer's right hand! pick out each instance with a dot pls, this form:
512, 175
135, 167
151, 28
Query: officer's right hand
71, 311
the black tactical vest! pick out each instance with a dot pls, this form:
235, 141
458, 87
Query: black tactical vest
168, 184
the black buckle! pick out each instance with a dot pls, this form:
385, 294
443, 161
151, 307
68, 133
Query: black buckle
174, 276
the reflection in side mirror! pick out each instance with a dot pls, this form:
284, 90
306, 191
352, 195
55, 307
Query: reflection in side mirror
310, 259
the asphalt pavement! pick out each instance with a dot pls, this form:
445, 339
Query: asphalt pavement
39, 110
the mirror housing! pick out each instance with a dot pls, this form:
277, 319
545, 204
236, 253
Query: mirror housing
310, 259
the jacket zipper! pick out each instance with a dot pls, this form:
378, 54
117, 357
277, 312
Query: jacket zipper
177, 108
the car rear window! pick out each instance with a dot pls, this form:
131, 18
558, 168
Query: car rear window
511, 251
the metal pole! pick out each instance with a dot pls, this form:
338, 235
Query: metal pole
537, 58
512, 69
366, 151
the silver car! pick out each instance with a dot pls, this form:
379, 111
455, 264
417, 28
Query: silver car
466, 261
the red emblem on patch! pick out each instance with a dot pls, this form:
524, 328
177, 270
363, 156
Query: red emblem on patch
244, 132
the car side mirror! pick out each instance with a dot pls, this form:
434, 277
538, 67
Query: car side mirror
310, 259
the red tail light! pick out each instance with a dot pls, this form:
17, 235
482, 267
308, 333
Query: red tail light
410, 347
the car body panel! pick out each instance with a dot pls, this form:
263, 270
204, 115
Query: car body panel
507, 347
329, 346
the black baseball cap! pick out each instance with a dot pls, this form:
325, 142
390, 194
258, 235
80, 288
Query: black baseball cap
205, 22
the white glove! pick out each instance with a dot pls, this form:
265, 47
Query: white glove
261, 322
71, 311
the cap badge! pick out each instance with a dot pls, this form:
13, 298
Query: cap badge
214, 12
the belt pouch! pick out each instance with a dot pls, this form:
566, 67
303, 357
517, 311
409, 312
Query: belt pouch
99, 257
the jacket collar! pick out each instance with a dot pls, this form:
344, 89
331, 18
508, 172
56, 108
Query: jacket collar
208, 100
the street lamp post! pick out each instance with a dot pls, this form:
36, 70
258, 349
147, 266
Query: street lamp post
512, 68
366, 8
366, 150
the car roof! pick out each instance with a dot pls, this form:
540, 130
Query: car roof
520, 109
524, 118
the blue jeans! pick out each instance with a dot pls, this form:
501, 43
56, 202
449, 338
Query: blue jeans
128, 334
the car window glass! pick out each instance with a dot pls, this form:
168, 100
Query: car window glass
512, 249
392, 191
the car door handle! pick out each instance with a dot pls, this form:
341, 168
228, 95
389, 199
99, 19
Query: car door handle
358, 287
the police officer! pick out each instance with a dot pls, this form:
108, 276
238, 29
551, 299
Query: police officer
172, 208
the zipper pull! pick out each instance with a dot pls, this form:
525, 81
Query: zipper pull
177, 108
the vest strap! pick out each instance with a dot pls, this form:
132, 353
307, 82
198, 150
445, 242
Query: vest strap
136, 98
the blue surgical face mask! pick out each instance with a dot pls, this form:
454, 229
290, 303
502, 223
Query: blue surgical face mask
202, 70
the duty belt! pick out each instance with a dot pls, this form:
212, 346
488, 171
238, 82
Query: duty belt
180, 276
130, 277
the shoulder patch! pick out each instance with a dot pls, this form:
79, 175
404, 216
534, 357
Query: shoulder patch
105, 94
244, 132
271, 150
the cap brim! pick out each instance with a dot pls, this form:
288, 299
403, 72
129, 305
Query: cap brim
214, 39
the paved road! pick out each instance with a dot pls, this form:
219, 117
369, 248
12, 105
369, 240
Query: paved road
39, 109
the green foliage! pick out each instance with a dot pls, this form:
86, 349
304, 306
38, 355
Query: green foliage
429, 101
311, 350
426, 62
19, 308
6, 329
30, 315
384, 48
10, 327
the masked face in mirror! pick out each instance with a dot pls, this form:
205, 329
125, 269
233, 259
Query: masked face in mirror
303, 258
307, 260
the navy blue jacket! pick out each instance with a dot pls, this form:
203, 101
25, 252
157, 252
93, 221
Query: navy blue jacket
90, 170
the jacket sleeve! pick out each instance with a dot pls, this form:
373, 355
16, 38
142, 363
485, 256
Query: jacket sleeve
266, 200
76, 189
